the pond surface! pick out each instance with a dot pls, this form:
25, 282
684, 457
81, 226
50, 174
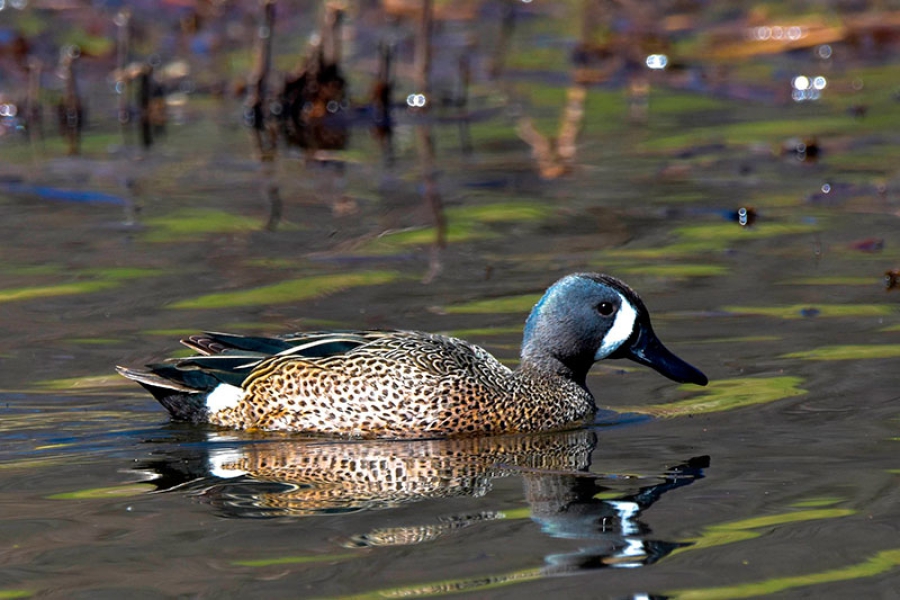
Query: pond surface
779, 479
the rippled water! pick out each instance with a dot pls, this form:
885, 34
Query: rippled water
780, 478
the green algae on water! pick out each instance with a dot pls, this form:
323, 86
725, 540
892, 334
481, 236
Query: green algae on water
878, 564
293, 560
294, 290
799, 311
114, 491
504, 305
196, 223
50, 291
848, 352
726, 394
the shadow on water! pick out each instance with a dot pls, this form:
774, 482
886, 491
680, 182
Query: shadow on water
240, 476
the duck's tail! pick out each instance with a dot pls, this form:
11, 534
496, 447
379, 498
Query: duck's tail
196, 387
184, 402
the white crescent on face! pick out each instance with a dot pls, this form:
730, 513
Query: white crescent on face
621, 330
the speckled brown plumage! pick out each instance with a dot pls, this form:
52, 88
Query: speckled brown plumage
404, 383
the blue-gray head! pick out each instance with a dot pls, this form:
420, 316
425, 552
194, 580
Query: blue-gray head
587, 317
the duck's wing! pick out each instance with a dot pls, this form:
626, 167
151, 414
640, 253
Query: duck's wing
316, 344
230, 358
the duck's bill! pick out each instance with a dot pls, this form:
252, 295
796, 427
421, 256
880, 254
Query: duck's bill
648, 350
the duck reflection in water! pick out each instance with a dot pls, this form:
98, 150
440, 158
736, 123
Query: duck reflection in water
242, 477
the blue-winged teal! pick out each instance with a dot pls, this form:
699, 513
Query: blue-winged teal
414, 384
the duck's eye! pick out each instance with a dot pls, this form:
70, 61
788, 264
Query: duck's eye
606, 309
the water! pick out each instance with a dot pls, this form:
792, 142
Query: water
779, 480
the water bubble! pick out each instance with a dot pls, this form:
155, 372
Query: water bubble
249, 116
657, 61
794, 33
826, 188
800, 82
416, 100
824, 51
819, 82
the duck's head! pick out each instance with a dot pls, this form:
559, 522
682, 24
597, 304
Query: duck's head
587, 317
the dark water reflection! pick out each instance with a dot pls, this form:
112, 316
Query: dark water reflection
266, 478
293, 478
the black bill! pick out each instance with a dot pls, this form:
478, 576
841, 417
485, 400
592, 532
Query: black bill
646, 349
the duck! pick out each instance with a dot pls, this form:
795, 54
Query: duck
413, 384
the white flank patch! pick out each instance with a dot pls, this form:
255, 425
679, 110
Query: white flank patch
224, 396
618, 334
220, 458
